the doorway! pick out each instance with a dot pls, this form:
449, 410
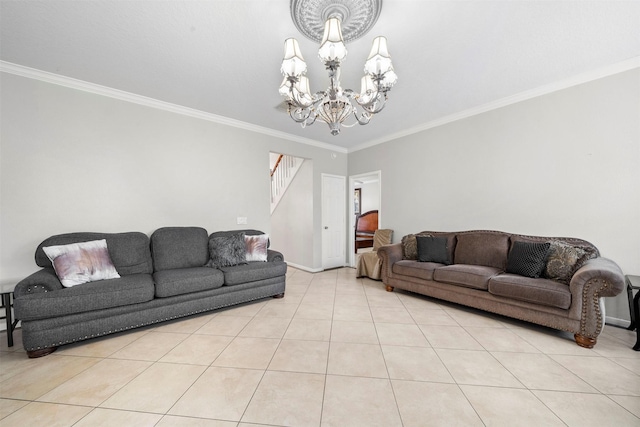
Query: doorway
369, 185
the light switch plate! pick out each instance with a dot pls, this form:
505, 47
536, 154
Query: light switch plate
242, 220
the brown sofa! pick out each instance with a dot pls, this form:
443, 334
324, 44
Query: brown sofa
477, 277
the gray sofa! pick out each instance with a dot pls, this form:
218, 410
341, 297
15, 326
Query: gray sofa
477, 277
161, 278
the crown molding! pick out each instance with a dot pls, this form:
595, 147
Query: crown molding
32, 73
503, 102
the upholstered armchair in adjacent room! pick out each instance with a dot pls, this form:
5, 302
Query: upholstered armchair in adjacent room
368, 264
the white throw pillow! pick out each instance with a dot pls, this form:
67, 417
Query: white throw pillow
256, 247
84, 262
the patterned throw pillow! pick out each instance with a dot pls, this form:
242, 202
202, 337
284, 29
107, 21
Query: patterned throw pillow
226, 251
256, 247
83, 262
528, 259
409, 247
562, 261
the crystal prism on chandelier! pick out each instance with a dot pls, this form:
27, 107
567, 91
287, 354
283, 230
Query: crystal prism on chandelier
335, 106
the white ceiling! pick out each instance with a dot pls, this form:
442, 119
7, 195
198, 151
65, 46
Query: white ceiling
223, 56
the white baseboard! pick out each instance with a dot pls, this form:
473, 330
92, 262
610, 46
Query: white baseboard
614, 321
304, 268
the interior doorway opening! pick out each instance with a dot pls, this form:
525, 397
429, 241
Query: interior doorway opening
366, 193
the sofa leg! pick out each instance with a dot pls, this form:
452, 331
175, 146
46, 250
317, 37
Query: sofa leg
585, 342
279, 296
389, 288
41, 352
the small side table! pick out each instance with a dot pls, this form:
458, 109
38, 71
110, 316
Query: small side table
6, 290
633, 283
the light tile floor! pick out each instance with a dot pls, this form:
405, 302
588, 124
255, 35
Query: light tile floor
336, 351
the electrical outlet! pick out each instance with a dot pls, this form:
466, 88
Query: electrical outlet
242, 220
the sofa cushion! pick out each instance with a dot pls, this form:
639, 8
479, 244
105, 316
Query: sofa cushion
545, 292
179, 247
129, 252
565, 259
186, 280
421, 270
482, 248
252, 271
469, 276
256, 247
130, 289
433, 249
527, 258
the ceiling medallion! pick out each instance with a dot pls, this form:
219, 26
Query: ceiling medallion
357, 17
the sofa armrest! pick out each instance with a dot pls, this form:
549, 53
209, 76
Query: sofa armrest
274, 256
44, 280
389, 254
597, 278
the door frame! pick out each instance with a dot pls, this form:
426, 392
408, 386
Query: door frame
352, 213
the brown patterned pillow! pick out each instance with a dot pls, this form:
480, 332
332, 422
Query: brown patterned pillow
562, 261
410, 246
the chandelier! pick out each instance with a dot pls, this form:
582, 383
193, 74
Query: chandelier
336, 106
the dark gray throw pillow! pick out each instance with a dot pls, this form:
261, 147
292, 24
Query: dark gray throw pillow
226, 251
528, 259
433, 249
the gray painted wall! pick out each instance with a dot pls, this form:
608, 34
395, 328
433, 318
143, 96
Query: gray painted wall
563, 164
76, 161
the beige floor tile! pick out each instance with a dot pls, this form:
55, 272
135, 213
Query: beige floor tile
349, 300
187, 325
550, 341
475, 318
151, 346
352, 313
309, 329
227, 325
44, 375
290, 297
37, 414
609, 346
447, 405
276, 309
301, 356
509, 407
17, 341
249, 309
383, 299
603, 374
100, 417
626, 336
175, 421
431, 317
363, 360
399, 334
630, 403
631, 364
94, 385
415, 363
265, 327
539, 371
103, 346
156, 389
477, 368
317, 299
417, 301
582, 409
357, 402
9, 406
454, 337
244, 352
391, 315
500, 339
15, 363
314, 311
355, 332
287, 399
220, 393
198, 350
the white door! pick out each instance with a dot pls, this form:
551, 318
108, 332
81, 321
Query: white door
333, 221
